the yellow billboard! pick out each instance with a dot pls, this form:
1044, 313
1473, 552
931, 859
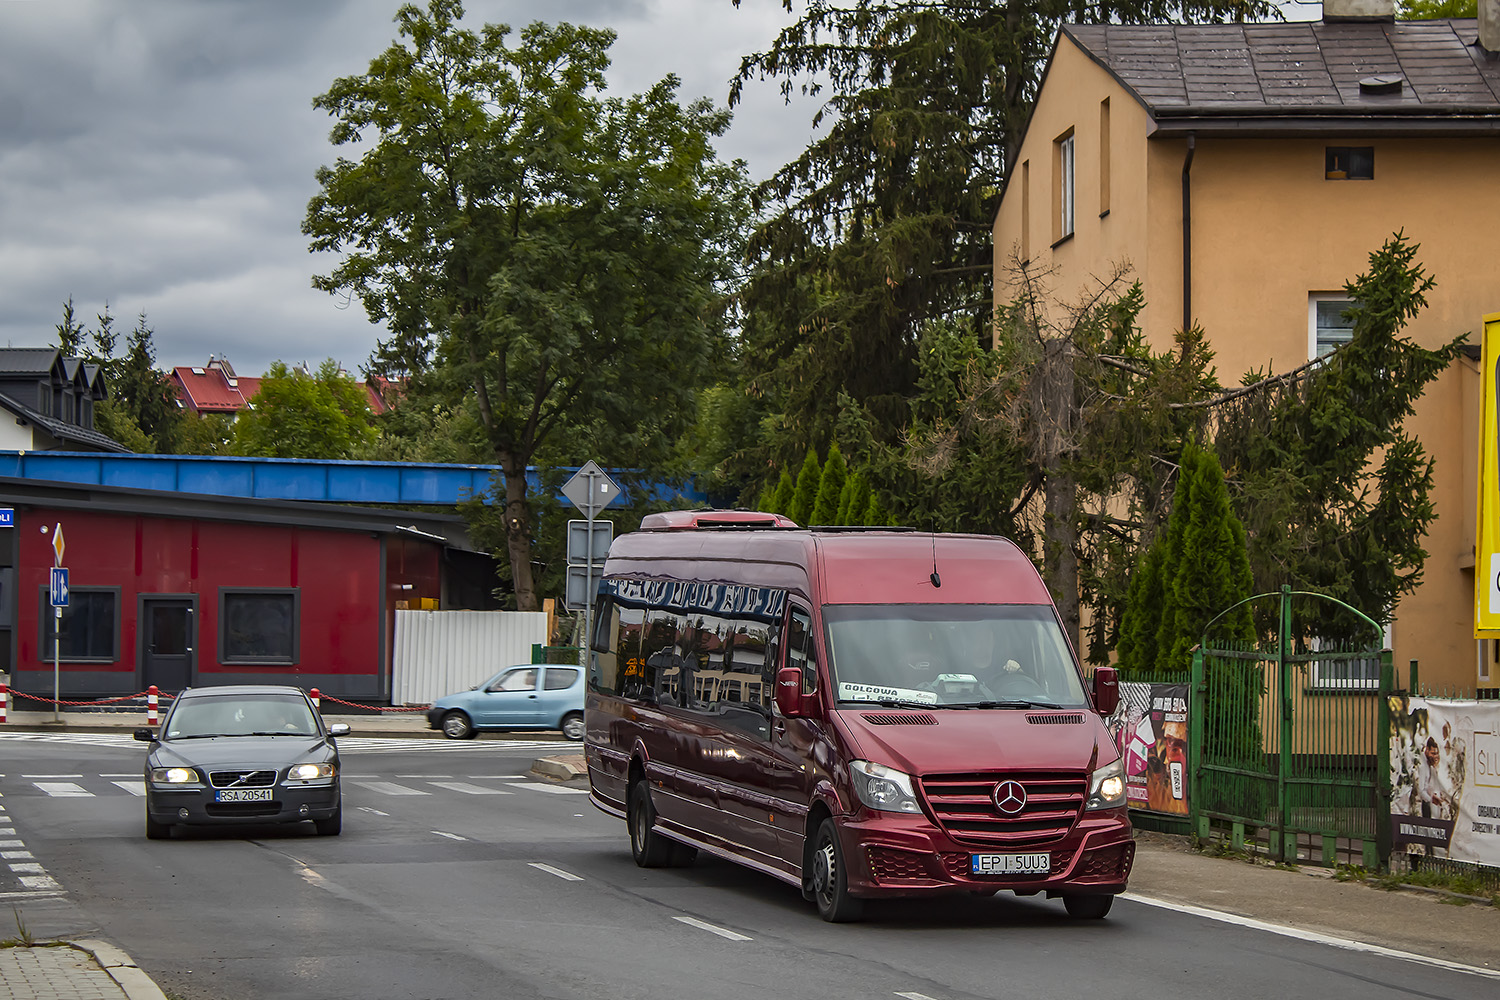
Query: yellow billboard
1487, 545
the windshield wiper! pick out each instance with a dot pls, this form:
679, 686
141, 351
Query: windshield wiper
196, 736
1006, 704
892, 703
282, 732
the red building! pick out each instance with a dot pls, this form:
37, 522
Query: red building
179, 589
215, 388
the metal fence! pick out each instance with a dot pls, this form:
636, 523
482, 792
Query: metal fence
1290, 746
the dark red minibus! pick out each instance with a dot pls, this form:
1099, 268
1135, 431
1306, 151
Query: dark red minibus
860, 713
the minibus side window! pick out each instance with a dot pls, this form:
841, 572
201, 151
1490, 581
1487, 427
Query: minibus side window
660, 679
800, 652
617, 649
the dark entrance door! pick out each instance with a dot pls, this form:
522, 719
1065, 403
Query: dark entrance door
167, 643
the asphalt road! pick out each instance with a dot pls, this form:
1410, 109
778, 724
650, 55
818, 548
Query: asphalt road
458, 876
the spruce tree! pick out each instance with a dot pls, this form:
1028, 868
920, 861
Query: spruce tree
806, 493
845, 496
859, 499
830, 488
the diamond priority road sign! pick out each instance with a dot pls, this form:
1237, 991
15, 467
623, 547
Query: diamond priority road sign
591, 490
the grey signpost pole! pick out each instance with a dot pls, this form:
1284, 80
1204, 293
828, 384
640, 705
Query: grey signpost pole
590, 490
57, 664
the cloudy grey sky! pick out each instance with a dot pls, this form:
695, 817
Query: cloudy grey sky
159, 154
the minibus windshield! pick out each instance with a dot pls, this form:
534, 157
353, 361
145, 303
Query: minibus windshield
951, 656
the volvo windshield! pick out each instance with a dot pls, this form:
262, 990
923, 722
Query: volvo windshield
951, 656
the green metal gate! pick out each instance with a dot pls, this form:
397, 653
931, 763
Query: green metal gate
1291, 745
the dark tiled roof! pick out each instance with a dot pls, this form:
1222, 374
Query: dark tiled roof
59, 429
27, 360
1300, 69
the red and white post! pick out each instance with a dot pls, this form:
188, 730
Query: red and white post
317, 700
151, 705
4, 696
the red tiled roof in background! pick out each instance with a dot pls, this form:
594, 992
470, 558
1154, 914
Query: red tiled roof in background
213, 388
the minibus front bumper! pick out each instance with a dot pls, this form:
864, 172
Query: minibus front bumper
897, 854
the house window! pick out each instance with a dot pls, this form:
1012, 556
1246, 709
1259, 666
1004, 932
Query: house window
1349, 163
259, 626
1064, 201
1328, 327
1103, 158
89, 628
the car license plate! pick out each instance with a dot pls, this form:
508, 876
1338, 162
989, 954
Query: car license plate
242, 795
1010, 864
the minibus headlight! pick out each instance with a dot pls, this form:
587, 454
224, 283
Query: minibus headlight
883, 788
1107, 787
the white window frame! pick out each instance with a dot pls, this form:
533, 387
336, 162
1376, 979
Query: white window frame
1313, 299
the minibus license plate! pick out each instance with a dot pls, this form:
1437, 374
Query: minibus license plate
1010, 864
243, 795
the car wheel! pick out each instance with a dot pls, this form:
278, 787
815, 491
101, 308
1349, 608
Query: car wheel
830, 878
456, 726
1088, 907
331, 826
649, 848
572, 726
155, 830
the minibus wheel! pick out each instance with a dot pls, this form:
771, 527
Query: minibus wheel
830, 878
1088, 907
649, 848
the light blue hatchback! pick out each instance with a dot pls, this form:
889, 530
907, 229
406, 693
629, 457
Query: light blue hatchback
529, 696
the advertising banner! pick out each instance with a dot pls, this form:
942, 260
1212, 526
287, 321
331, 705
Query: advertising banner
1487, 544
1151, 729
1445, 779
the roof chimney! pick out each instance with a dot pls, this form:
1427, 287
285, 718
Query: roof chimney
1489, 25
1360, 10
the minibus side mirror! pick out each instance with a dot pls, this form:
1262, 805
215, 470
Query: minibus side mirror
1106, 690
789, 691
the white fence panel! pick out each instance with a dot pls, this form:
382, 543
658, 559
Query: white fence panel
440, 652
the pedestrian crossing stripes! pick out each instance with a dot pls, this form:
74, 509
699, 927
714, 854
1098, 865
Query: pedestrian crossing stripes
104, 785
347, 744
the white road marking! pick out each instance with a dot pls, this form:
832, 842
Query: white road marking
1302, 934
424, 777
368, 809
136, 787
389, 788
28, 868
705, 926
468, 789
8, 831
554, 789
568, 876
16, 855
11, 843
64, 789
495, 777
450, 836
914, 996
31, 776
132, 774
32, 894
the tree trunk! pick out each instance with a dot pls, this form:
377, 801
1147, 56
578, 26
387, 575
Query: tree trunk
518, 534
1060, 561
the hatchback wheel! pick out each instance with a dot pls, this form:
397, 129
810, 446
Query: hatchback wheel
456, 726
572, 726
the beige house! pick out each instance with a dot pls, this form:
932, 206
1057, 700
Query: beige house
1245, 172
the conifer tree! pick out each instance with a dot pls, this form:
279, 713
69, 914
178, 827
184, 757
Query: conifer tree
859, 499
1141, 616
806, 493
781, 499
846, 495
1206, 567
830, 486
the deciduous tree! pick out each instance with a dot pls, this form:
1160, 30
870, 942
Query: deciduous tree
303, 414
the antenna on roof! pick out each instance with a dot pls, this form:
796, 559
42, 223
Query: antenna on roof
937, 581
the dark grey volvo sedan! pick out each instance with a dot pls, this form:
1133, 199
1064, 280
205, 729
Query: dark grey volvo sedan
246, 754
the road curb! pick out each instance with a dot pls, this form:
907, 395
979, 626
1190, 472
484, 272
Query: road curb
136, 984
565, 767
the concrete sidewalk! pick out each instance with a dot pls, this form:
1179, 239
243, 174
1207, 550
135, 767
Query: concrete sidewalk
76, 970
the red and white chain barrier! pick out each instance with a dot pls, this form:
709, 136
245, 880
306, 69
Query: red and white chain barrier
369, 708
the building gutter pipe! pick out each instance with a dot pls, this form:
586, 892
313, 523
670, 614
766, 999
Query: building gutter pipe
1187, 232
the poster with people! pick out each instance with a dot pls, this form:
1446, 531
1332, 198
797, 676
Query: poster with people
1150, 728
1445, 778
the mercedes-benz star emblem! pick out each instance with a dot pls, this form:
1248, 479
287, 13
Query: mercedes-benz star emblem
1010, 797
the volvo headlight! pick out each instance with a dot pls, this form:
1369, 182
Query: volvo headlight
1107, 786
883, 788
309, 772
173, 775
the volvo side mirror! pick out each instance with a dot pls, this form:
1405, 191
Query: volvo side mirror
144, 735
789, 691
1106, 690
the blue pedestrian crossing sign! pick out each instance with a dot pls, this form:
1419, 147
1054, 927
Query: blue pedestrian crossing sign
59, 586
7, 517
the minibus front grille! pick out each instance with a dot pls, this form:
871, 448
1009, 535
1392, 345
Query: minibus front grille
1055, 720
964, 805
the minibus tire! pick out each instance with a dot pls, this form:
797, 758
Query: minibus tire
649, 848
1088, 907
830, 878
